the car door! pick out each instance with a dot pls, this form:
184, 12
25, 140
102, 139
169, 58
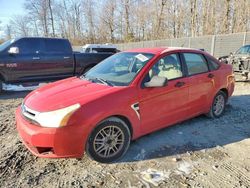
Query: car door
201, 83
26, 64
59, 58
163, 106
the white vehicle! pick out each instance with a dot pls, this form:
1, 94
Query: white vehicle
97, 48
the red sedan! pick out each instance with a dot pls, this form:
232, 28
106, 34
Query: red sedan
128, 95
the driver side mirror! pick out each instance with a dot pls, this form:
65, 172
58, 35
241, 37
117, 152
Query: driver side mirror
156, 81
13, 50
231, 53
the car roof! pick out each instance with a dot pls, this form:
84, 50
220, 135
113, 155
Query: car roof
50, 38
161, 50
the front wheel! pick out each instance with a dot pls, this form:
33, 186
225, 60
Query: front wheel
109, 141
218, 105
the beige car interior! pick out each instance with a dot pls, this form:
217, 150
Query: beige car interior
167, 67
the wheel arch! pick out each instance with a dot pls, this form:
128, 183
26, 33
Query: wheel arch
122, 118
127, 121
225, 90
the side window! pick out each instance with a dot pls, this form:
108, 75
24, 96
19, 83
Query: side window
112, 50
29, 46
57, 46
87, 50
212, 64
196, 63
168, 67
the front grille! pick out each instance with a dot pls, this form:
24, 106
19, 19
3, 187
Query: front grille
29, 114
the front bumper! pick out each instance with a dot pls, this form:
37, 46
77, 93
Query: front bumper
68, 141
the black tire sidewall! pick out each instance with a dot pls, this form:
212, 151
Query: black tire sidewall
212, 107
90, 148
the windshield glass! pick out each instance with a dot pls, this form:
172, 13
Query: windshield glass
4, 45
243, 50
119, 69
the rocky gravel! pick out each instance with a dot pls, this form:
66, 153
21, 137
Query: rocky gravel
200, 152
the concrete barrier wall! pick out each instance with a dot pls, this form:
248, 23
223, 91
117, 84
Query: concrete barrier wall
217, 45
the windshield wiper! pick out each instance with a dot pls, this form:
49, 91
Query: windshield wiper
103, 81
106, 82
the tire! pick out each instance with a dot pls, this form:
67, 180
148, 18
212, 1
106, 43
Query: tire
218, 105
109, 141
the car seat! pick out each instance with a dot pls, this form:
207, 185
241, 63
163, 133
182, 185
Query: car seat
169, 68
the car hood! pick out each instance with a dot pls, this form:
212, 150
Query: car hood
66, 92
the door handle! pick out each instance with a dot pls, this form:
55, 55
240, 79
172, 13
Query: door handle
179, 84
66, 57
36, 58
210, 75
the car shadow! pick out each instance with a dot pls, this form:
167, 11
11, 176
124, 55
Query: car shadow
196, 134
13, 94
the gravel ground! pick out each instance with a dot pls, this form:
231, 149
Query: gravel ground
201, 152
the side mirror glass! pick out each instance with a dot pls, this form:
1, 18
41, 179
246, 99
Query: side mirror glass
156, 81
13, 50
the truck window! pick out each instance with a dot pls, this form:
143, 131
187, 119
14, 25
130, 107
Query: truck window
57, 46
29, 45
4, 45
87, 50
112, 50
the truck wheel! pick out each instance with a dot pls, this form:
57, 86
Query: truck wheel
218, 105
109, 141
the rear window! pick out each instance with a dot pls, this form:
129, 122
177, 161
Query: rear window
196, 63
57, 46
112, 50
212, 64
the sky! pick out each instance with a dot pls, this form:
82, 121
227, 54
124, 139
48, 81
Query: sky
8, 8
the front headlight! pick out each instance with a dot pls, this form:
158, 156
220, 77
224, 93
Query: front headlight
57, 118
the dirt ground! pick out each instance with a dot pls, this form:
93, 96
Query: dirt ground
201, 152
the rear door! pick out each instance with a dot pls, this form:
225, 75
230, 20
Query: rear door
59, 58
163, 106
201, 83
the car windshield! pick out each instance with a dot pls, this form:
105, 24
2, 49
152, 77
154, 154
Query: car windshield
4, 45
119, 69
243, 50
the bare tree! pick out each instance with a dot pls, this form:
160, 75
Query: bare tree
51, 18
226, 21
20, 25
8, 32
92, 21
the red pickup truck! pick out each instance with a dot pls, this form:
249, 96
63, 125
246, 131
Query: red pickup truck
128, 95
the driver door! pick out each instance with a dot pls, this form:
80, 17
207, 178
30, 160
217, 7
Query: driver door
163, 106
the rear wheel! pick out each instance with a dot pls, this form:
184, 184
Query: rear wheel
218, 105
109, 141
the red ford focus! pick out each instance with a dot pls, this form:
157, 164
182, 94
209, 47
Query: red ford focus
128, 95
